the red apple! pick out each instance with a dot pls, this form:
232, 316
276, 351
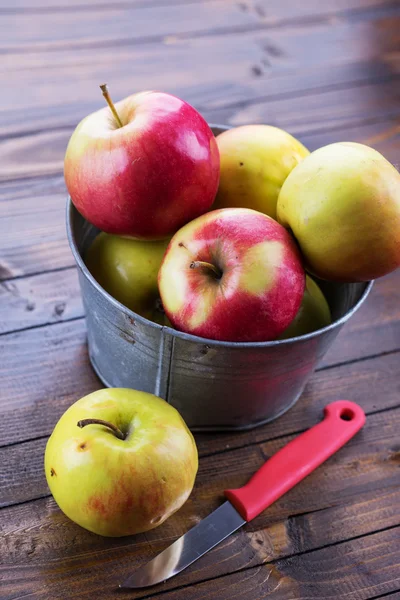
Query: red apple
148, 177
233, 274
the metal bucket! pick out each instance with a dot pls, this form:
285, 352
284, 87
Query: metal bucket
214, 385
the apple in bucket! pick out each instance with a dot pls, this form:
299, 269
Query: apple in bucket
255, 161
342, 203
313, 314
144, 167
120, 462
232, 274
127, 269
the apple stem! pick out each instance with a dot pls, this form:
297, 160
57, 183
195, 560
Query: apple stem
110, 103
206, 265
114, 428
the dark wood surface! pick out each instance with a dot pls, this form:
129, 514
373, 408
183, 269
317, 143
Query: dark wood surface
325, 71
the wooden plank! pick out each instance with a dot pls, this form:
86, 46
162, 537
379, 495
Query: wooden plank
32, 217
63, 29
358, 491
38, 533
212, 72
43, 153
356, 570
124, 23
38, 300
28, 6
323, 111
276, 8
374, 329
33, 234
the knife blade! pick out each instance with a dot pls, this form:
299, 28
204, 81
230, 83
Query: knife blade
342, 420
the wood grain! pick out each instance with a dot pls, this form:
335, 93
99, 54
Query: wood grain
42, 368
355, 570
64, 30
126, 23
374, 329
33, 233
366, 468
324, 111
213, 72
39, 300
285, 7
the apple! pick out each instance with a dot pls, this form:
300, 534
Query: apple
127, 269
120, 462
232, 274
255, 161
314, 312
342, 204
144, 167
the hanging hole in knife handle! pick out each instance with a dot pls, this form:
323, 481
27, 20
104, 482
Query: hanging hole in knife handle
347, 414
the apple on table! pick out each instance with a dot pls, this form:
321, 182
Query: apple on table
120, 462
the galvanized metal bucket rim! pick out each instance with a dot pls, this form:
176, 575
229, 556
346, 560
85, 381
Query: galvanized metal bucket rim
186, 336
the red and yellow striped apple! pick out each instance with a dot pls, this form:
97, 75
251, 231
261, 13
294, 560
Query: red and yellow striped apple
232, 274
145, 171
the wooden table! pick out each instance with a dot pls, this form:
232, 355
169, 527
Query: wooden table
325, 71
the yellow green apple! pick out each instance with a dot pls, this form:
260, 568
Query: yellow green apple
120, 462
342, 204
254, 162
127, 269
314, 312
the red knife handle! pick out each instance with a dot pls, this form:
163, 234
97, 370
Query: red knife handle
343, 419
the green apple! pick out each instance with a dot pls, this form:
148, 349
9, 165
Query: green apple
120, 462
314, 312
127, 269
342, 204
255, 161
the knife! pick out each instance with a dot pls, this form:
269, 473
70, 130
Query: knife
342, 420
